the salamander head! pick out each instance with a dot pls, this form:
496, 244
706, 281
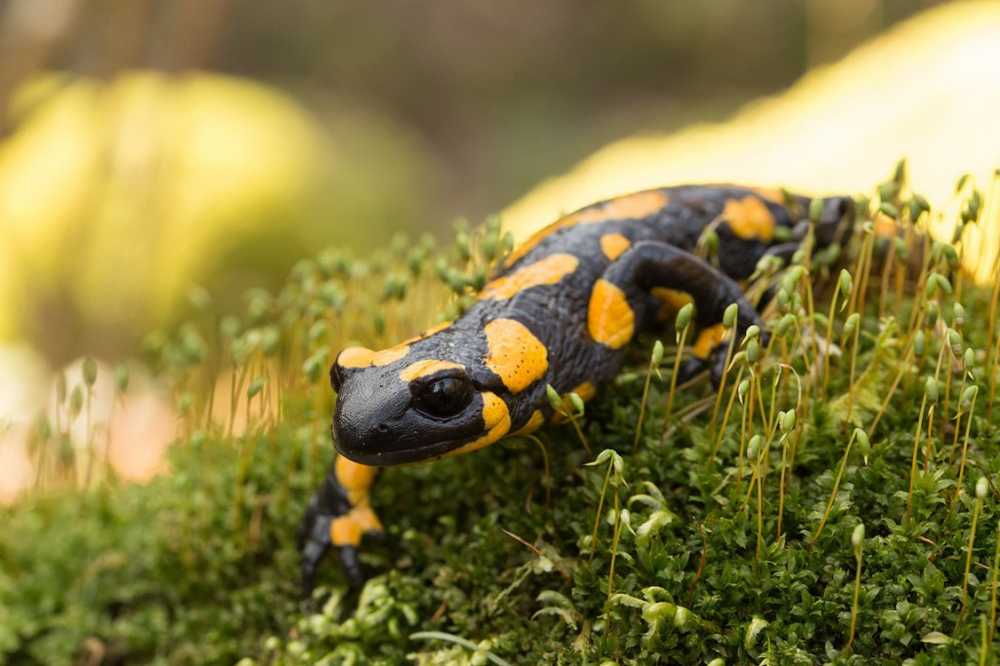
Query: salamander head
410, 403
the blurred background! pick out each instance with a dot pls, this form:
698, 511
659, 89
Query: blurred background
155, 153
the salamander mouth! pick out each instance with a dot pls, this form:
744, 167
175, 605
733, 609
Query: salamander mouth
420, 453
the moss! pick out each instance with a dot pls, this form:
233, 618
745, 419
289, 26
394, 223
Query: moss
490, 558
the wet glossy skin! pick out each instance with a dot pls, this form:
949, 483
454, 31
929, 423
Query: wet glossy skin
548, 317
560, 311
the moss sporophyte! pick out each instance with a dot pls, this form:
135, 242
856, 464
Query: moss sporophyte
863, 397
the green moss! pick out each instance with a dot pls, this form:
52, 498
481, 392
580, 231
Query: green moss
489, 557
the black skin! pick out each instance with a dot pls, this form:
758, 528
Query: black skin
381, 420
314, 533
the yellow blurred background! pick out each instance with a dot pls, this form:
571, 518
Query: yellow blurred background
213, 143
148, 148
927, 91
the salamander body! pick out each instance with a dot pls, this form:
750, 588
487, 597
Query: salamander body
560, 311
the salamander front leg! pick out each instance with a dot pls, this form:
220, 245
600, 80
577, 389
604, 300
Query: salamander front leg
338, 516
650, 264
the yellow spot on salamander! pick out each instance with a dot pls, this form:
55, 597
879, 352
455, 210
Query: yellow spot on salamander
355, 479
549, 270
772, 194
707, 340
586, 391
885, 226
749, 218
630, 206
347, 530
436, 328
672, 300
613, 245
610, 319
515, 355
496, 420
426, 367
534, 422
359, 357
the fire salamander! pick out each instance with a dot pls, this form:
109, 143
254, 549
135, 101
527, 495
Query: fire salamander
560, 311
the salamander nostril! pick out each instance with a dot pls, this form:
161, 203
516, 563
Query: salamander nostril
336, 377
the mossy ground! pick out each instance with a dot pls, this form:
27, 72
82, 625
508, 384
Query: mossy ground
490, 557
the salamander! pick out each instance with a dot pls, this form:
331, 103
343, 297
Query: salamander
560, 311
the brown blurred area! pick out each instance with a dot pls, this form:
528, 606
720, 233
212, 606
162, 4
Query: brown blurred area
502, 94
509, 93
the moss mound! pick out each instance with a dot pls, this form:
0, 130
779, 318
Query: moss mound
731, 533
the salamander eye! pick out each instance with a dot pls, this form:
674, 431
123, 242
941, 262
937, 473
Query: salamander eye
443, 397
